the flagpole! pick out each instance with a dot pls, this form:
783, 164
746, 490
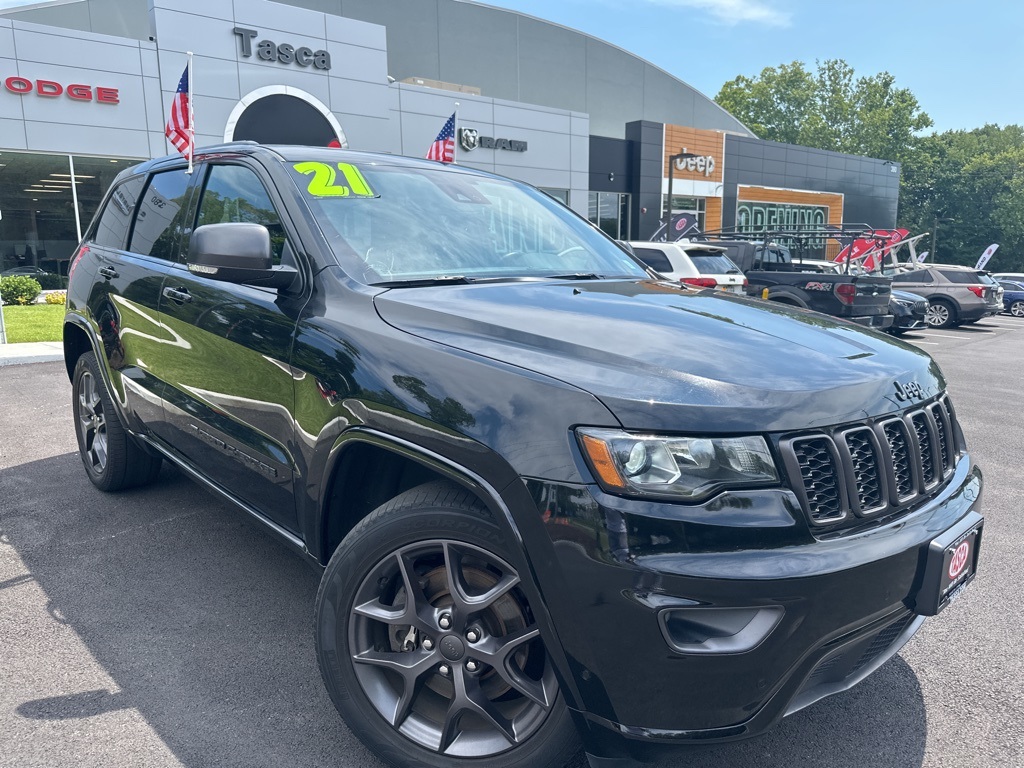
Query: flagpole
455, 149
191, 116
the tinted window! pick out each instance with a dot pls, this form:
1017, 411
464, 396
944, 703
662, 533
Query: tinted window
653, 258
711, 263
158, 222
963, 277
917, 276
1012, 286
111, 228
234, 193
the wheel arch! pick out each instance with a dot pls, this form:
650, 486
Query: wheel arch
77, 341
788, 298
367, 468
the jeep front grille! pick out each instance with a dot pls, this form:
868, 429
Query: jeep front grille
820, 479
872, 468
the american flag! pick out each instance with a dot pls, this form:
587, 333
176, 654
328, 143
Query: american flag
179, 126
443, 148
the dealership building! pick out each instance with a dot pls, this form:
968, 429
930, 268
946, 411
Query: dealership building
86, 85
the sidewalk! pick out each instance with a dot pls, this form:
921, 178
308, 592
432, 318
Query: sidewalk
32, 352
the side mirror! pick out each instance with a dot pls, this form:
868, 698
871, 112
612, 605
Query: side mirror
237, 252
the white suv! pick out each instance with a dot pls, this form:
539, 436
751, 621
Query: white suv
696, 264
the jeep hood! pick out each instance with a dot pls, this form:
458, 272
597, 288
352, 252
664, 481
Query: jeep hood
662, 357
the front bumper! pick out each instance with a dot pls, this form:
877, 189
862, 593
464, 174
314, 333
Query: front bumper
878, 322
848, 604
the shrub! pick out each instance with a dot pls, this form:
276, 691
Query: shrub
51, 282
19, 289
57, 297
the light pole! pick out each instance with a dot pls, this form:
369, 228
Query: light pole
671, 166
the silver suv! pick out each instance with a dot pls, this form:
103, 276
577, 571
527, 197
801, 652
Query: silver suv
955, 294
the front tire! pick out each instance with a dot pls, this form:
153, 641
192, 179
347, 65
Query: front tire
1017, 309
941, 314
428, 645
111, 457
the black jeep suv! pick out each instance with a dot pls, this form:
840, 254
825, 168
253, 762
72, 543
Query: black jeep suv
554, 497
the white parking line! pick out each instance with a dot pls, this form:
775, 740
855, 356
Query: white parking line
941, 336
929, 343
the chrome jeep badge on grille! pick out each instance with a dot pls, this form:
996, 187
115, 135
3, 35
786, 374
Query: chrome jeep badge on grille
909, 391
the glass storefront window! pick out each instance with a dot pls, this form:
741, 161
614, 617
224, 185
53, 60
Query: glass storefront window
683, 204
39, 228
561, 195
610, 212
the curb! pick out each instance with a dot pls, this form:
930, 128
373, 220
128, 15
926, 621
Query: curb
31, 352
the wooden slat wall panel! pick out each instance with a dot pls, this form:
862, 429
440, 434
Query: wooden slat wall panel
699, 142
712, 214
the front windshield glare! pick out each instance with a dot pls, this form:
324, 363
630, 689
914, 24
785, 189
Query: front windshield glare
393, 224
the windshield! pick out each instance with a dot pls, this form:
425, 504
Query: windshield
712, 263
395, 224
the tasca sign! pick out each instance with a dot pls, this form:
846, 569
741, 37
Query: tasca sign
285, 53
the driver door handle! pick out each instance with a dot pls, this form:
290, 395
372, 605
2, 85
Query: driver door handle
108, 272
178, 295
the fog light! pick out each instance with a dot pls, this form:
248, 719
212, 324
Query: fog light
718, 630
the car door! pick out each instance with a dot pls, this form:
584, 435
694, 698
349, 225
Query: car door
127, 253
230, 391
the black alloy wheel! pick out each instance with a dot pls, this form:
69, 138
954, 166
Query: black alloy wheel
112, 458
435, 658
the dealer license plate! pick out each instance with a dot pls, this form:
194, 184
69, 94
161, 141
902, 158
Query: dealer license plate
951, 564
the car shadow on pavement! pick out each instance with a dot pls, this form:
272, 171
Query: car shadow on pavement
204, 622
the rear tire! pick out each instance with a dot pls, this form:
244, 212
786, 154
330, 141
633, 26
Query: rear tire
428, 645
1017, 309
112, 458
941, 314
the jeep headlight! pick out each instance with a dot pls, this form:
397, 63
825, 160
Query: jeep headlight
688, 468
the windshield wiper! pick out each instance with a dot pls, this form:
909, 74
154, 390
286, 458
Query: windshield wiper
576, 276
417, 282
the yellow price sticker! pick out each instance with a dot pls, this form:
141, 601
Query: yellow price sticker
324, 182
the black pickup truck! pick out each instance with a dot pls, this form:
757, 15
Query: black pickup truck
555, 500
774, 275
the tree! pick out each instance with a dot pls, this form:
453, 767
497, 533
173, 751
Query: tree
828, 109
971, 181
975, 179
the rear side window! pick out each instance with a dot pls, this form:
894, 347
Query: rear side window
234, 193
161, 212
963, 277
653, 258
112, 225
917, 276
711, 263
1012, 286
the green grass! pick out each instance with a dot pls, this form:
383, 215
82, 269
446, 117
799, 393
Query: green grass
36, 322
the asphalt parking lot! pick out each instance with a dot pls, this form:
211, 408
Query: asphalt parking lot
159, 628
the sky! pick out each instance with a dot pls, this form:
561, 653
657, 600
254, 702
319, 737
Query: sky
963, 61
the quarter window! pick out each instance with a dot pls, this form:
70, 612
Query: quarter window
654, 259
157, 228
112, 225
234, 193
